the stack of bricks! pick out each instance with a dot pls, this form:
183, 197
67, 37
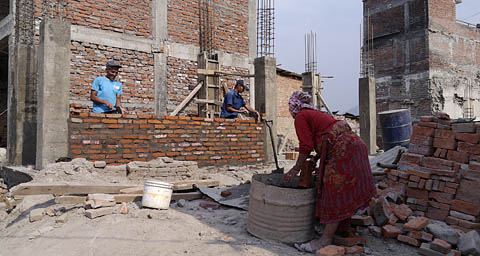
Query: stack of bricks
441, 172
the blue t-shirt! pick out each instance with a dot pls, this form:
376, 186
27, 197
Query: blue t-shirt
235, 100
106, 90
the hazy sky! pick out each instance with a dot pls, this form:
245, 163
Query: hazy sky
337, 24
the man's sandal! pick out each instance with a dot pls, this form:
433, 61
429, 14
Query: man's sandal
305, 247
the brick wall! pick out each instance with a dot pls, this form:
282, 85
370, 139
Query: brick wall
128, 17
454, 60
286, 85
230, 19
136, 75
119, 139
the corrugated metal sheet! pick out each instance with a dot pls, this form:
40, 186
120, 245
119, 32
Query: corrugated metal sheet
386, 158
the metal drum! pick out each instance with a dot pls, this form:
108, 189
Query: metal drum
278, 213
396, 128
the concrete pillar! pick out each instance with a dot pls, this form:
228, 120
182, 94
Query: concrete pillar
368, 113
160, 34
22, 97
266, 98
53, 91
311, 84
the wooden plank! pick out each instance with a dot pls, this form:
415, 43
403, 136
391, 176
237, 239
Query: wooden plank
206, 72
187, 99
190, 184
216, 102
210, 72
67, 189
126, 198
134, 190
70, 199
187, 196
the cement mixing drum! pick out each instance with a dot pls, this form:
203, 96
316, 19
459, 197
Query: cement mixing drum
280, 213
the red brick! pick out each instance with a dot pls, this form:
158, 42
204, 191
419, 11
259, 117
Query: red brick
421, 235
417, 193
445, 143
109, 121
472, 138
330, 250
420, 149
469, 191
421, 140
433, 162
437, 214
414, 178
356, 250
451, 220
465, 207
470, 148
468, 224
439, 205
424, 131
422, 174
451, 191
416, 224
207, 205
402, 211
456, 156
440, 246
390, 231
443, 133
464, 127
408, 240
412, 158
441, 197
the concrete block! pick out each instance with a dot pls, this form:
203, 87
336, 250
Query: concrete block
99, 164
61, 219
469, 243
36, 214
463, 216
101, 197
443, 231
95, 213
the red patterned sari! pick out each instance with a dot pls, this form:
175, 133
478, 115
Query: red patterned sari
347, 183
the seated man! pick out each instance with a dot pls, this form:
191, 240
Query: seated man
106, 91
233, 102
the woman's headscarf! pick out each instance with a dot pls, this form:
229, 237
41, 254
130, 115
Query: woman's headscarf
299, 100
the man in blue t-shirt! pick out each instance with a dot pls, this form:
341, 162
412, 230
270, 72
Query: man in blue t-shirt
106, 91
233, 102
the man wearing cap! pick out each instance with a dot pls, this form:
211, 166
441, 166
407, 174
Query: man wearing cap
106, 91
233, 102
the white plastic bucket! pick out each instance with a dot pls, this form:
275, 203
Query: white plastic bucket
157, 194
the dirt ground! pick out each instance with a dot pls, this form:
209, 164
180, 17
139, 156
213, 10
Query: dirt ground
187, 230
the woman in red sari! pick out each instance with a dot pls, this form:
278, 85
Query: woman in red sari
344, 179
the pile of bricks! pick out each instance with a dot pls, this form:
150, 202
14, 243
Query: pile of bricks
431, 200
441, 172
163, 168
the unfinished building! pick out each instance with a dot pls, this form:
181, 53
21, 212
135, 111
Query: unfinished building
421, 57
52, 50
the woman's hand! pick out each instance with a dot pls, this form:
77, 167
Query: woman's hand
290, 175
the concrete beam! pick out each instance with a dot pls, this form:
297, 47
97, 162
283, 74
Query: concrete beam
109, 38
53, 91
266, 98
6, 26
385, 7
189, 52
368, 113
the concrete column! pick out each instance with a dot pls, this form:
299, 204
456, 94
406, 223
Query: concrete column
252, 29
22, 97
311, 85
266, 98
160, 34
368, 113
53, 91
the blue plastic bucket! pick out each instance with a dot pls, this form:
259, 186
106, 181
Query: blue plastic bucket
396, 128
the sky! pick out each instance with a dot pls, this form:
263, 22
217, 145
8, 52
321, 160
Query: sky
337, 24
